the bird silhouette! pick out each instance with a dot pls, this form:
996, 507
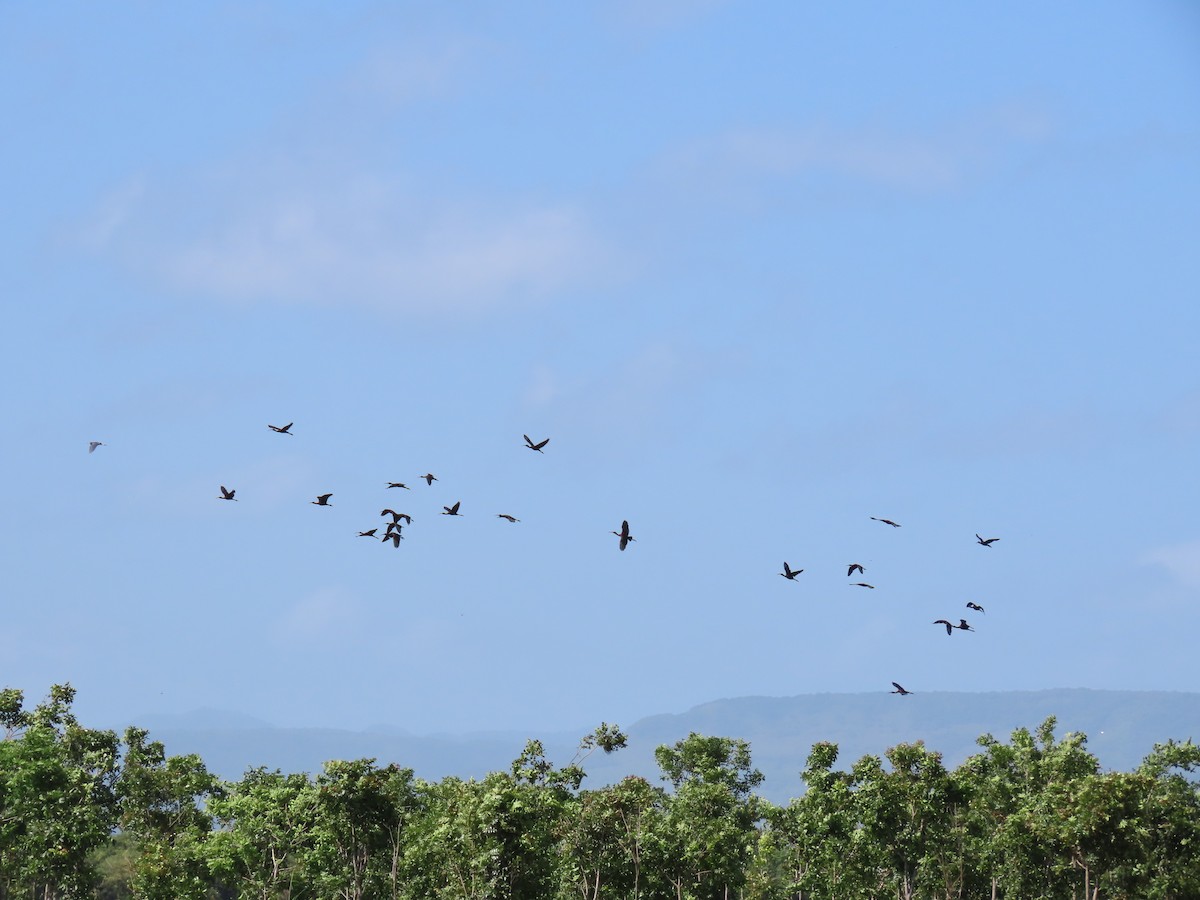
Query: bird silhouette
227, 494
507, 517
624, 534
789, 573
853, 566
92, 445
863, 584
396, 516
887, 522
283, 430
974, 606
398, 484
899, 689
532, 446
395, 537
370, 533
452, 510
962, 623
429, 479
322, 500
949, 627
985, 542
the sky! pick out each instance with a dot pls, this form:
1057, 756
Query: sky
760, 271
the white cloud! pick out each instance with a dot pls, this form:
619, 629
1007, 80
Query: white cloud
324, 615
1182, 561
659, 14
906, 161
324, 238
407, 72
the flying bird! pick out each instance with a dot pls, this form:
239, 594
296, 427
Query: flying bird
863, 584
429, 479
949, 627
899, 689
398, 484
92, 445
322, 500
962, 623
283, 430
395, 537
854, 566
396, 517
624, 534
887, 522
532, 446
452, 510
985, 542
974, 606
507, 517
227, 494
370, 533
789, 573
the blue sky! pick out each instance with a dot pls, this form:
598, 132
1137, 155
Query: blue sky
760, 271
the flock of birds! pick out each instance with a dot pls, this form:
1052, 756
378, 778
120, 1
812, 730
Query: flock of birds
393, 531
790, 574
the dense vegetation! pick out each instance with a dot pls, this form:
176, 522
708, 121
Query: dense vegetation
85, 813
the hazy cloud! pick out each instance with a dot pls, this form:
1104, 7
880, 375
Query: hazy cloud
325, 238
327, 614
911, 161
658, 14
1182, 561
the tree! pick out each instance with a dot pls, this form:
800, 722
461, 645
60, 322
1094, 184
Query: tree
609, 836
708, 835
908, 815
818, 835
265, 825
162, 807
359, 819
57, 798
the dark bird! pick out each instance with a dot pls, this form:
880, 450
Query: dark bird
962, 623
985, 542
393, 484
396, 517
370, 533
393, 526
863, 584
532, 446
624, 534
949, 627
789, 573
887, 522
395, 537
322, 500
452, 510
854, 566
227, 494
899, 689
507, 517
974, 606
429, 479
92, 445
283, 430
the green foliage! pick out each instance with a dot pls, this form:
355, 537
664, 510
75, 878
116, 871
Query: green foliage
162, 807
264, 826
57, 798
1026, 819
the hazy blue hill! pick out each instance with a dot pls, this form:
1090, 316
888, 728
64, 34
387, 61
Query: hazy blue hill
1122, 727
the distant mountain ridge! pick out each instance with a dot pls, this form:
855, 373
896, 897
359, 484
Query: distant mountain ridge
1122, 727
